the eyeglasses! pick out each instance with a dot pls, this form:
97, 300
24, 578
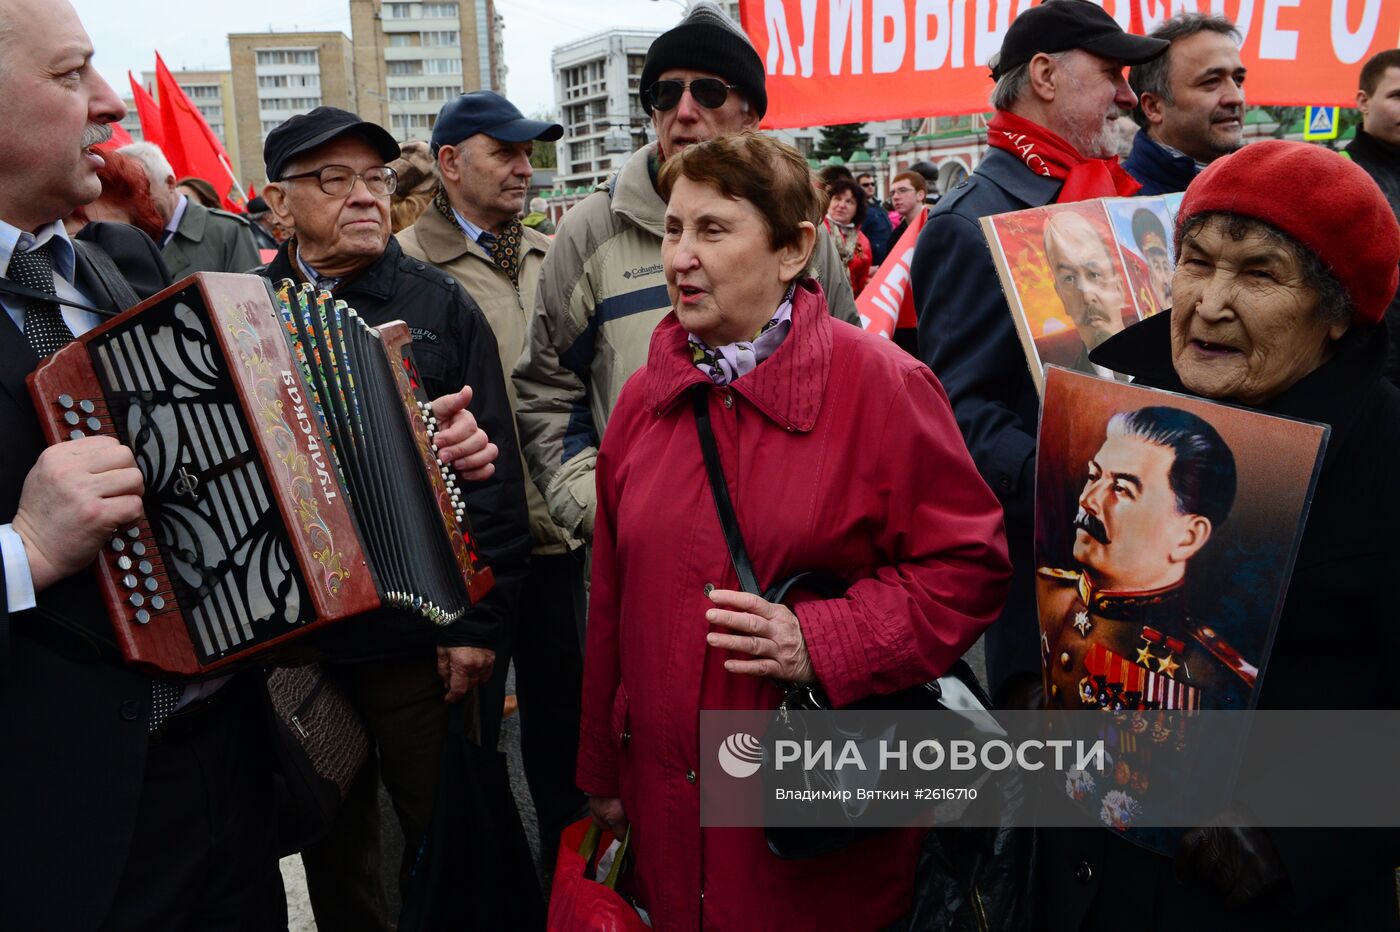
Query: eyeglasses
909, 190
339, 180
710, 93
868, 185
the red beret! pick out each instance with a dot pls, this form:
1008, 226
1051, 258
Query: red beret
1321, 199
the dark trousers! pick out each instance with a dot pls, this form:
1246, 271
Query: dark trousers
549, 687
401, 705
204, 849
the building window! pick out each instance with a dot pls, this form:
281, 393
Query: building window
405, 67
442, 66
286, 57
398, 10
408, 121
442, 38
444, 93
398, 40
439, 9
272, 80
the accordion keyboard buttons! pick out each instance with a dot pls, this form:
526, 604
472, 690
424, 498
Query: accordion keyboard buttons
144, 567
133, 532
139, 549
72, 418
118, 544
65, 401
123, 562
152, 584
76, 435
137, 600
86, 406
142, 616
94, 424
157, 602
129, 581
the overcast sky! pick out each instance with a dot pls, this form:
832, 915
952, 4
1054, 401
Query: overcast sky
194, 35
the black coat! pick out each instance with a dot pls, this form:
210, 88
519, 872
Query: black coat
1337, 647
453, 346
1382, 162
72, 719
966, 336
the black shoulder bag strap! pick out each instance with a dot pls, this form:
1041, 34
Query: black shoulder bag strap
111, 277
748, 581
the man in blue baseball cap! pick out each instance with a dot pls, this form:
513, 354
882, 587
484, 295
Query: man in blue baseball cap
472, 231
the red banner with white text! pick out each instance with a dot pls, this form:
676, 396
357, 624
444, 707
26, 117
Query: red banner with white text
853, 61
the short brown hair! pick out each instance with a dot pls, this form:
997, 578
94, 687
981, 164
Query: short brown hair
1375, 68
770, 175
914, 178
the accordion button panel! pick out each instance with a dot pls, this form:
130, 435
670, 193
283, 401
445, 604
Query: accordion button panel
152, 584
133, 532
137, 600
139, 549
129, 581
142, 616
86, 406
124, 562
65, 401
94, 424
72, 418
144, 567
118, 544
157, 602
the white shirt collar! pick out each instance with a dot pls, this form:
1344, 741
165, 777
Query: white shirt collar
13, 239
179, 214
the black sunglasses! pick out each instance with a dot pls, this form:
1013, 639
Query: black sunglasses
710, 93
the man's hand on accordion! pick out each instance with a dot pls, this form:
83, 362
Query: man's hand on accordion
79, 493
461, 442
463, 669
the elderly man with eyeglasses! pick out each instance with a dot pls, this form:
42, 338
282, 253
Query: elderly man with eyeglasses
602, 288
330, 185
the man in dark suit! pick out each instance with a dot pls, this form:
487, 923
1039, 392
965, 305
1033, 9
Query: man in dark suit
128, 803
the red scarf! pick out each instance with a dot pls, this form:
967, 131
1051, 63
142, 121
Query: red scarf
1047, 154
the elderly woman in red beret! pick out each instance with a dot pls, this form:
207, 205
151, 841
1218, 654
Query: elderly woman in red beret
841, 455
1287, 258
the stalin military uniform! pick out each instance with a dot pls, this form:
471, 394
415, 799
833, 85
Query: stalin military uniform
1128, 651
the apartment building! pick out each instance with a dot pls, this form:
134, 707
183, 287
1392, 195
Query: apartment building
412, 56
277, 75
597, 97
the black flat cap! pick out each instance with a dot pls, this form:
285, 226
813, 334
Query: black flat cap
490, 113
1062, 25
308, 131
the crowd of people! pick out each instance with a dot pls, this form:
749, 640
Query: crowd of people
704, 295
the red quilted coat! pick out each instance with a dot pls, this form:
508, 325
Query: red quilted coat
841, 454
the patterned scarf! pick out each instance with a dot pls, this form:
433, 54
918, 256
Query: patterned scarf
1050, 155
503, 248
724, 364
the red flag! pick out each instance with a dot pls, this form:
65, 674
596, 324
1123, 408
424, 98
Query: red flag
887, 300
191, 145
120, 137
148, 111
252, 191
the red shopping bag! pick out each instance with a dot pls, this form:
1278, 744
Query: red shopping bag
579, 904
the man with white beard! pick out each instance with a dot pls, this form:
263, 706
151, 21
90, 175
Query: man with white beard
1060, 90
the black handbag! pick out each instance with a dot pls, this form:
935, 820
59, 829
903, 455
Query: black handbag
958, 689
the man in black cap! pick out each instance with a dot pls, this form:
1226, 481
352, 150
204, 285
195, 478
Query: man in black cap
1059, 92
603, 287
330, 186
473, 232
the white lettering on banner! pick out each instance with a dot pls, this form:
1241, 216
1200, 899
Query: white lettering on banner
987, 41
959, 33
1059, 744
822, 758
964, 755
892, 289
931, 53
1153, 12
887, 56
785, 752
890, 755
1351, 46
882, 794
847, 23
1276, 43
780, 43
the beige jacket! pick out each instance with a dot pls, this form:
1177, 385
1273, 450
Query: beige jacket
434, 240
602, 291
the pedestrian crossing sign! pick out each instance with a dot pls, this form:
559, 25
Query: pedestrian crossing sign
1320, 123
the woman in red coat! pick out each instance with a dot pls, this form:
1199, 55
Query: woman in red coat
845, 212
841, 454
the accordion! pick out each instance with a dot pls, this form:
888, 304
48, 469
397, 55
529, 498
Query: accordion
291, 477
